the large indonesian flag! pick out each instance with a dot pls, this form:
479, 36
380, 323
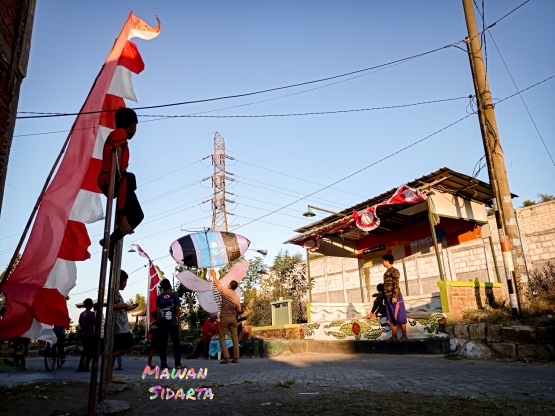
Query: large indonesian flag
47, 271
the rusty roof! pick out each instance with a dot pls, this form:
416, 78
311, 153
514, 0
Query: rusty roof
444, 179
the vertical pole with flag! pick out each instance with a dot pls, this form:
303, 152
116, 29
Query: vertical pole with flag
152, 290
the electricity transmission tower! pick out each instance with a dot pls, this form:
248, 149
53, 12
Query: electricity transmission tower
219, 178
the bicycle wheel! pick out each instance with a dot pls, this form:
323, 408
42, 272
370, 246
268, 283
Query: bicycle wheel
49, 358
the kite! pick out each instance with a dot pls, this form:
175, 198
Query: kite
208, 296
36, 291
208, 249
368, 220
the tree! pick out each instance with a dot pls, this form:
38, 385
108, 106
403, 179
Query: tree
286, 278
542, 198
139, 300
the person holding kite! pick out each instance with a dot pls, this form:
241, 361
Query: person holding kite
129, 213
230, 308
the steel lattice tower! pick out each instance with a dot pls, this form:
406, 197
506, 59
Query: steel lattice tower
219, 178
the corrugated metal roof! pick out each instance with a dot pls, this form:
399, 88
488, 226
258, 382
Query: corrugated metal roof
444, 179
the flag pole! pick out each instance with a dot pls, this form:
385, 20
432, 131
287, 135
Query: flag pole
101, 284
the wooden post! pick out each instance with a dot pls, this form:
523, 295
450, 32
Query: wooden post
101, 284
502, 199
406, 278
308, 275
434, 239
109, 324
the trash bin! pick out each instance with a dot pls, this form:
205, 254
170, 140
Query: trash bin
282, 312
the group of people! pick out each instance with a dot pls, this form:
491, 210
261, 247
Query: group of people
123, 338
389, 300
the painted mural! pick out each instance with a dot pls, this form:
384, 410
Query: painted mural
374, 329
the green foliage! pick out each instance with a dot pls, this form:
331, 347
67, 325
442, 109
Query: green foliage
138, 332
286, 278
542, 198
546, 197
139, 300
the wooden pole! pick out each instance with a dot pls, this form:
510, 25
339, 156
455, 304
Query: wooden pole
406, 277
434, 239
101, 284
109, 325
502, 199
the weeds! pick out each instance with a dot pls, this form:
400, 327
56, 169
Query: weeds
286, 384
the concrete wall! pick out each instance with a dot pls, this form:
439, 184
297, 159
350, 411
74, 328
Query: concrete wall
337, 279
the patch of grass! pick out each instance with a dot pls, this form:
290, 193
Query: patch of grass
545, 356
453, 356
286, 384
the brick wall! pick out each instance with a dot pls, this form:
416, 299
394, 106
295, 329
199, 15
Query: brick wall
16, 21
458, 297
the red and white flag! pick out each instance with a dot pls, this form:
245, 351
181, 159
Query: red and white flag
368, 220
46, 273
153, 281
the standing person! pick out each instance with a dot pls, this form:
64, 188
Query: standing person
87, 320
394, 305
229, 309
60, 332
169, 321
128, 210
154, 336
123, 338
210, 328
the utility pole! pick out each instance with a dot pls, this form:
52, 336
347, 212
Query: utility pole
511, 246
219, 178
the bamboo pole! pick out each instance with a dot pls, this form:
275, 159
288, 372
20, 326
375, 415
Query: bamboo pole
108, 347
101, 284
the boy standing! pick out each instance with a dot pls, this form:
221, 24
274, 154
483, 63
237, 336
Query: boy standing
169, 322
128, 210
87, 320
123, 338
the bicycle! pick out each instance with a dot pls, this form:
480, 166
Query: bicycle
51, 358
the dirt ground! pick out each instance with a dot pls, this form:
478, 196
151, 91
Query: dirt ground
248, 398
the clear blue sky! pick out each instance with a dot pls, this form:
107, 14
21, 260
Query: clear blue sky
209, 49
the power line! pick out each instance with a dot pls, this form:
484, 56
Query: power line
50, 115
360, 170
520, 95
296, 177
504, 16
312, 113
45, 115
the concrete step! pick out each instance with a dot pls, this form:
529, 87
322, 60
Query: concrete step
274, 348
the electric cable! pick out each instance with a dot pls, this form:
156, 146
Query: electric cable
50, 115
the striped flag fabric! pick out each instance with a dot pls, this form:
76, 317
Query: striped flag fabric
153, 281
47, 271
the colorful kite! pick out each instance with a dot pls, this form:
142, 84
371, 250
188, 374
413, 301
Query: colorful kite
368, 220
208, 296
208, 249
37, 289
